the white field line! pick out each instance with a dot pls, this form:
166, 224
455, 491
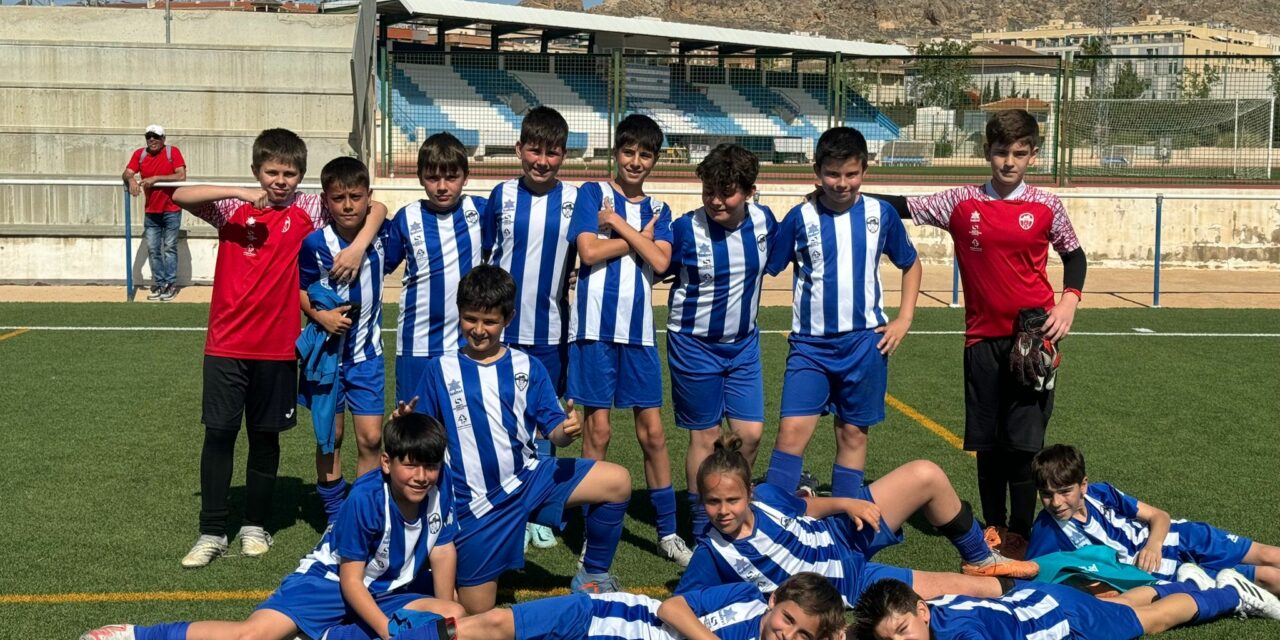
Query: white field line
1136, 333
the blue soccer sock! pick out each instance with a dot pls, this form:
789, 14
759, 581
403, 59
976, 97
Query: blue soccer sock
544, 448
163, 631
784, 470
603, 531
698, 515
332, 494
1166, 590
664, 508
963, 532
846, 482
1212, 604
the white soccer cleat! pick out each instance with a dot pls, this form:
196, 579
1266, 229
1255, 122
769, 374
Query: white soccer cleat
674, 549
254, 541
204, 551
1191, 572
110, 632
1255, 602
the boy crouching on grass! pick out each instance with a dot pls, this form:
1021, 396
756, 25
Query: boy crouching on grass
394, 532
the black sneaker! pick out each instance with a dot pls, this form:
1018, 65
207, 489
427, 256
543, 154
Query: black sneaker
155, 292
808, 485
167, 293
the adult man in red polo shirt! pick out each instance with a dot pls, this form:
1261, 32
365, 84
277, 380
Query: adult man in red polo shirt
158, 162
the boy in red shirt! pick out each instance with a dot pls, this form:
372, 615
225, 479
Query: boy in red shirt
250, 366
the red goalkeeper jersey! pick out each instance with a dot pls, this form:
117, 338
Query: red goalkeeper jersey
1002, 246
254, 312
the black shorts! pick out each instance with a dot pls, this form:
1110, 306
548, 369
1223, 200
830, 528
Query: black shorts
999, 412
264, 393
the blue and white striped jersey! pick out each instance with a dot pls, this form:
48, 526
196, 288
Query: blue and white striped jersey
719, 273
364, 339
491, 412
1113, 521
615, 298
439, 248
528, 237
785, 542
1032, 611
371, 528
731, 612
837, 258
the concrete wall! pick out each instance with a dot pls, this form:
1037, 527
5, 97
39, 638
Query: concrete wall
1116, 231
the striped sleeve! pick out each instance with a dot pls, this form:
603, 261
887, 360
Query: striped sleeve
935, 210
218, 212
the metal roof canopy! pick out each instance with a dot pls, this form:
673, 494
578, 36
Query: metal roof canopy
455, 13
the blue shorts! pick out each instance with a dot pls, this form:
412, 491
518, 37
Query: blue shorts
315, 604
493, 543
408, 373
844, 374
1088, 616
606, 374
872, 572
711, 380
364, 388
1212, 548
554, 358
866, 541
571, 617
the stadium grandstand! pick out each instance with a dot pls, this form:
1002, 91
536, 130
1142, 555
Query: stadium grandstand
474, 69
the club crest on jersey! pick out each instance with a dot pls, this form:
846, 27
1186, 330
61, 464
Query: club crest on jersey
434, 524
1026, 220
522, 380
472, 216
566, 210
873, 225
762, 242
287, 220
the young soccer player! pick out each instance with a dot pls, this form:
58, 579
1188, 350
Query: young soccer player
528, 220
1078, 513
840, 339
493, 400
355, 325
806, 607
395, 531
250, 363
890, 610
765, 535
718, 255
1002, 233
623, 238
439, 239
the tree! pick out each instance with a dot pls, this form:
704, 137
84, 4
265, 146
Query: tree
996, 94
1013, 88
942, 74
1128, 84
1198, 84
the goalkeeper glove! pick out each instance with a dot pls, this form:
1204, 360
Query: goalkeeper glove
1034, 359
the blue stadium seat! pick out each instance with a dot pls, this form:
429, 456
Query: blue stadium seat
413, 109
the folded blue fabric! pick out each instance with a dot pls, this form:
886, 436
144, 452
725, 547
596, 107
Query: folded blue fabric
1094, 563
320, 358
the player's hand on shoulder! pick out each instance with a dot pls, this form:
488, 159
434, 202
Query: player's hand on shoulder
346, 265
572, 425
891, 335
404, 408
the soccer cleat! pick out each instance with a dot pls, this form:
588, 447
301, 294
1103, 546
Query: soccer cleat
167, 293
1191, 572
542, 536
1007, 543
254, 541
808, 485
998, 566
155, 292
204, 551
674, 549
588, 583
110, 632
1255, 602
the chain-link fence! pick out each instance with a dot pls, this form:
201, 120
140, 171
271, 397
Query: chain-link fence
1152, 119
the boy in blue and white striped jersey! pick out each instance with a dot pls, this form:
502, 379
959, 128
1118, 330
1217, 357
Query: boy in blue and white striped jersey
840, 339
357, 325
623, 239
390, 548
528, 220
718, 257
439, 239
494, 400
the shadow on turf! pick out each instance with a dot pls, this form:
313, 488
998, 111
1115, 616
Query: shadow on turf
294, 500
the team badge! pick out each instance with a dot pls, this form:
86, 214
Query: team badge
1026, 220
566, 210
873, 225
433, 524
287, 220
522, 380
762, 242
472, 216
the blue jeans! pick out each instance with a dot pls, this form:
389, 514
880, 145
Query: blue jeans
161, 230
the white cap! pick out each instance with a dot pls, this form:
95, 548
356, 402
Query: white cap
156, 129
